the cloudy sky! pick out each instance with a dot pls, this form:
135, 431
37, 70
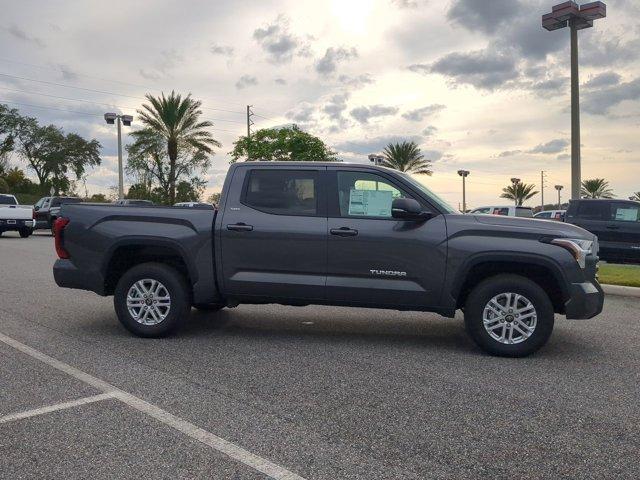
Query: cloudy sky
477, 83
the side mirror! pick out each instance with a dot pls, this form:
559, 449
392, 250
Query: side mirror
408, 209
36, 208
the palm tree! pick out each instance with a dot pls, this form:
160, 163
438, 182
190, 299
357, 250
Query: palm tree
596, 188
176, 122
519, 192
635, 196
405, 157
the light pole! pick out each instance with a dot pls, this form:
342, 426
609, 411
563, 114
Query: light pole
515, 181
576, 18
375, 158
464, 174
559, 188
110, 118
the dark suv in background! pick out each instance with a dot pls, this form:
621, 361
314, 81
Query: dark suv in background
46, 210
616, 223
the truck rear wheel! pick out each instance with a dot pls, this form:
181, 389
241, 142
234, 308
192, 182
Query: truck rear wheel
509, 316
152, 300
25, 232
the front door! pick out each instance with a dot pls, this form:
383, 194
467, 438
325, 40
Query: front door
374, 259
274, 234
624, 228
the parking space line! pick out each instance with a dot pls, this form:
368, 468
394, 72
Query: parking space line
207, 438
54, 408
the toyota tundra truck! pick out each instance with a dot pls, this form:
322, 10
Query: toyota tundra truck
307, 233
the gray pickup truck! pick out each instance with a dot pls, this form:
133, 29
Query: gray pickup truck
297, 233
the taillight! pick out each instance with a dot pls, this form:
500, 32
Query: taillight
58, 227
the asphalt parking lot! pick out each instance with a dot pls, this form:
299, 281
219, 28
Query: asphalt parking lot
314, 392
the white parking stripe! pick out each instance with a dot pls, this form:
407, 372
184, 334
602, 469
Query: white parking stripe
220, 444
55, 408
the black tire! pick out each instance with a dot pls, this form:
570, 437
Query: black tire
178, 291
487, 290
25, 232
208, 307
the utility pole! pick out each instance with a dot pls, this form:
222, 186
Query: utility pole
111, 118
576, 17
464, 174
542, 190
559, 188
515, 181
249, 123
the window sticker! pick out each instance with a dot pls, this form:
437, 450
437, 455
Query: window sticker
371, 203
627, 214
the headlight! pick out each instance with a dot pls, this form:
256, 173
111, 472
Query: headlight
579, 248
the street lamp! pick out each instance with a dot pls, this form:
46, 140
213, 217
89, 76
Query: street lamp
110, 118
558, 188
515, 181
375, 158
576, 18
464, 174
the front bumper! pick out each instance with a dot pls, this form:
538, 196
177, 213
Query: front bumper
586, 300
10, 224
67, 275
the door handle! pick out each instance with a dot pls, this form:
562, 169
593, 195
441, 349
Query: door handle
344, 232
240, 227
613, 227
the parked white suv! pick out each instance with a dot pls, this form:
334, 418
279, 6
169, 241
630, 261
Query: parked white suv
507, 211
14, 217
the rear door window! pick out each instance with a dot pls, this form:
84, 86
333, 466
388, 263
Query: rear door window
282, 192
593, 210
524, 212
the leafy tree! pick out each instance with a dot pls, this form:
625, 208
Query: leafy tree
173, 143
98, 198
519, 192
406, 157
8, 118
596, 188
635, 196
282, 144
4, 188
190, 191
214, 198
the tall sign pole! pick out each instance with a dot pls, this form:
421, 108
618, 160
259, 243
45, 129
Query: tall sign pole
576, 17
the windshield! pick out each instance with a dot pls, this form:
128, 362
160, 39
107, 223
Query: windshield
440, 203
7, 200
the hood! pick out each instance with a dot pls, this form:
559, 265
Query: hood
517, 224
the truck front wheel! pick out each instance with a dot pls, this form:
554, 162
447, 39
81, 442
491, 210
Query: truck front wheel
509, 316
152, 300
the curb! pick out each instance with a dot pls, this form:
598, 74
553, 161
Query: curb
621, 290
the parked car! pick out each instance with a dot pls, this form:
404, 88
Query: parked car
551, 215
129, 202
299, 233
616, 223
15, 217
47, 209
209, 206
506, 211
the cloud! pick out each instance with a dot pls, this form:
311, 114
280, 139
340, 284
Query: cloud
278, 42
604, 79
485, 16
484, 69
375, 144
551, 87
601, 49
166, 61
429, 131
303, 114
246, 81
329, 62
600, 102
419, 114
356, 81
364, 114
20, 34
563, 157
280, 81
554, 146
408, 4
67, 73
224, 50
509, 153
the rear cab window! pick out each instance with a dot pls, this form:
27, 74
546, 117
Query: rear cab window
7, 200
282, 192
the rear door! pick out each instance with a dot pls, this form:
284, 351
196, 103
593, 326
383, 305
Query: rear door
374, 259
273, 233
624, 228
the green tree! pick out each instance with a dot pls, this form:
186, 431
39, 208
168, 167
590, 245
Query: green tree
174, 141
596, 188
190, 191
8, 117
519, 192
214, 198
98, 198
406, 157
635, 196
282, 144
